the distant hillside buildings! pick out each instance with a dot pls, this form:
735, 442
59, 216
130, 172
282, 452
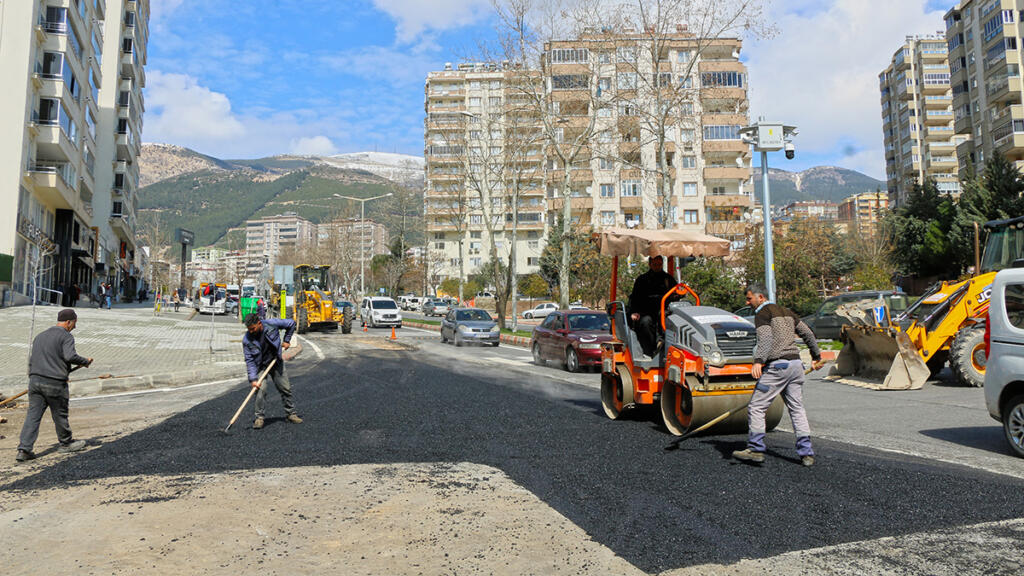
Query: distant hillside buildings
266, 237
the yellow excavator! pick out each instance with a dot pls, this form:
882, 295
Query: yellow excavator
946, 323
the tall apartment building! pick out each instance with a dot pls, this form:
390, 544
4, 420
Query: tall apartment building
614, 181
266, 237
55, 58
917, 117
354, 234
985, 60
863, 212
817, 210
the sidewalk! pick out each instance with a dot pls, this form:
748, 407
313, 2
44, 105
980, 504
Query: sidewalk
132, 349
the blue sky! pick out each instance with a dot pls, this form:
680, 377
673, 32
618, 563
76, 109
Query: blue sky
264, 77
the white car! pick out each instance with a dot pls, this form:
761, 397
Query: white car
380, 311
540, 311
1004, 339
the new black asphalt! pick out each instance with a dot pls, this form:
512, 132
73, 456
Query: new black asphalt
656, 508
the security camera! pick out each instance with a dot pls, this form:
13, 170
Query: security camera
790, 151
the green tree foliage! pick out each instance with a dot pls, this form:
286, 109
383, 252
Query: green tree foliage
714, 282
450, 286
920, 232
533, 286
996, 194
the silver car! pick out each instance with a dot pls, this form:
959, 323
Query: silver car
1004, 338
463, 325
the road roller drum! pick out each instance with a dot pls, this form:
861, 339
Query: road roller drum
683, 410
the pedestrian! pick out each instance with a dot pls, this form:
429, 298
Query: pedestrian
53, 353
261, 308
177, 301
107, 295
260, 345
778, 370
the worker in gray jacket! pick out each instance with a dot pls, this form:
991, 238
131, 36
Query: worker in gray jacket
778, 370
53, 354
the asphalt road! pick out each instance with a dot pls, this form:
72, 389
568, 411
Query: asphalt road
658, 509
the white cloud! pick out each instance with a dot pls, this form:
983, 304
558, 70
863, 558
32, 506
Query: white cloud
379, 63
182, 110
414, 17
313, 146
821, 73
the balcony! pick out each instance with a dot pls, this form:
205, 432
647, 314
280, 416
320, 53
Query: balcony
55, 184
728, 200
1005, 89
725, 146
941, 117
721, 93
726, 173
726, 228
574, 175
578, 203
635, 202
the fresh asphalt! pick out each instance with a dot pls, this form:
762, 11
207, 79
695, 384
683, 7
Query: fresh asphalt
659, 509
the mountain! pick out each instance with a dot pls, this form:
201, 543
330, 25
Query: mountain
829, 183
215, 197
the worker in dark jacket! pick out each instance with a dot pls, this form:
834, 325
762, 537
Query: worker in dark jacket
53, 354
261, 344
645, 303
778, 370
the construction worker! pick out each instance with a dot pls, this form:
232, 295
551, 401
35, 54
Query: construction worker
53, 353
778, 370
645, 303
261, 344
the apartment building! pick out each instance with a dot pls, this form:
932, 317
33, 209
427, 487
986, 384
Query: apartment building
55, 60
863, 213
917, 117
593, 87
484, 168
353, 235
984, 54
266, 237
817, 210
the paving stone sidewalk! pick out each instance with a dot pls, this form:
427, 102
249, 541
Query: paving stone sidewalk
136, 348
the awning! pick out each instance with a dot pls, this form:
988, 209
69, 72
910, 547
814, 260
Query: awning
679, 243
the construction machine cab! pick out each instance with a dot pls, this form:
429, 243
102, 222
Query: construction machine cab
703, 368
1005, 245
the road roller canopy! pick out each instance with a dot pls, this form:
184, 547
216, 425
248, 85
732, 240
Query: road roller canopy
679, 243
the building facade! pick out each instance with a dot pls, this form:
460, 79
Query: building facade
266, 237
918, 118
817, 210
58, 59
984, 38
617, 171
353, 235
863, 213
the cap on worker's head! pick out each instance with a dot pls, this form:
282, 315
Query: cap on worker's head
66, 314
251, 319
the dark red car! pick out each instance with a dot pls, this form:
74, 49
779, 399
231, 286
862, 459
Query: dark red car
571, 337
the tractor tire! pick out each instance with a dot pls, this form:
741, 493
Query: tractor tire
346, 323
302, 321
937, 363
967, 356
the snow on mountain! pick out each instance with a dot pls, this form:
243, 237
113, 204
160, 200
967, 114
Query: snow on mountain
398, 167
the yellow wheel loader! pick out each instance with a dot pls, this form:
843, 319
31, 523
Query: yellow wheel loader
314, 307
947, 323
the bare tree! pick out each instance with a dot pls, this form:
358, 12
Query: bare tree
451, 199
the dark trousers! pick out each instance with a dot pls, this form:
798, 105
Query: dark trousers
45, 393
284, 388
647, 332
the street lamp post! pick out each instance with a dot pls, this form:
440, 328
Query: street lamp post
769, 137
362, 235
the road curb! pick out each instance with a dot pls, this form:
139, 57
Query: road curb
521, 341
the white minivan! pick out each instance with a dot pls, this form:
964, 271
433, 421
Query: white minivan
380, 311
1004, 343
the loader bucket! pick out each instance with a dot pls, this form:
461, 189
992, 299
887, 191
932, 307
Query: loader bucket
872, 355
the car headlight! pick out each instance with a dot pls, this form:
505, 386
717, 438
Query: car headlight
495, 328
593, 346
464, 328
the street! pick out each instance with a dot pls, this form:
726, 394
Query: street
512, 468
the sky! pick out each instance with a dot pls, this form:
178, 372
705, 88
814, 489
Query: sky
264, 77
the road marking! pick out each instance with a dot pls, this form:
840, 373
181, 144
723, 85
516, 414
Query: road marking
319, 353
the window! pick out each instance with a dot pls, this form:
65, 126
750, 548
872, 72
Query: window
688, 162
721, 79
475, 262
690, 217
495, 84
476, 219
718, 191
438, 235
606, 164
474, 234
569, 82
686, 81
494, 101
604, 57
603, 85
626, 81
686, 135
626, 53
474, 101
685, 55
568, 56
722, 132
607, 191
1015, 304
607, 218
533, 261
438, 245
689, 188
630, 187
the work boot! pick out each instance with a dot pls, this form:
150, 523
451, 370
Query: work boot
294, 419
748, 455
807, 461
258, 423
75, 446
25, 456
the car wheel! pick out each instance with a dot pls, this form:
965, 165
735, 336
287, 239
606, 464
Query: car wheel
572, 360
1013, 424
458, 340
537, 358
444, 339
527, 315
495, 344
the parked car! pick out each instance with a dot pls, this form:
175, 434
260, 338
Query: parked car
571, 337
413, 303
435, 307
461, 325
825, 323
1004, 356
380, 311
485, 295
540, 311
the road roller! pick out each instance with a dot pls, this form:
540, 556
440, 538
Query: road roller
703, 367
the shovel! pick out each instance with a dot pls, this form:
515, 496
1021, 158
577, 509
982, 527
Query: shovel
259, 384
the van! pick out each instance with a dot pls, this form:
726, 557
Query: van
380, 311
1004, 351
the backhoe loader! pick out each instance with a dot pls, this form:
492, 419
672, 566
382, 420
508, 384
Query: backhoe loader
946, 323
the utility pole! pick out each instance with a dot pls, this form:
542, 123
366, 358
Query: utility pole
362, 235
